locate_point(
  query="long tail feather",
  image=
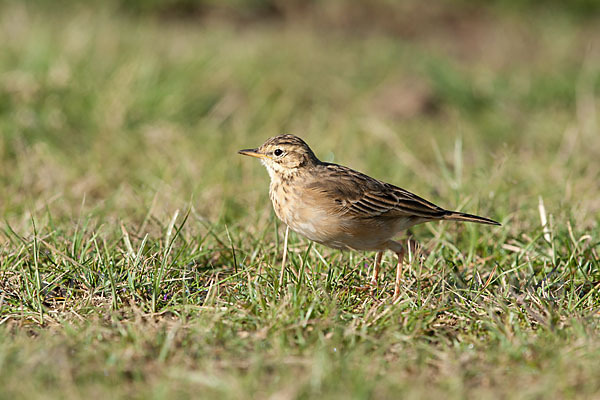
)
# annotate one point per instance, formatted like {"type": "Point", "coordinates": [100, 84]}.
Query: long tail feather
{"type": "Point", "coordinates": [458, 216]}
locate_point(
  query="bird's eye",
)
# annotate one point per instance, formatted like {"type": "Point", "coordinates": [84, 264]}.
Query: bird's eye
{"type": "Point", "coordinates": [278, 152]}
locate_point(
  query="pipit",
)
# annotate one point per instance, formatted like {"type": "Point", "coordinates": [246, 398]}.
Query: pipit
{"type": "Point", "coordinates": [343, 208]}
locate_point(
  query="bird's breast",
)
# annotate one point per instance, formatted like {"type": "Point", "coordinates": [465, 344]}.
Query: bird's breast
{"type": "Point", "coordinates": [299, 214]}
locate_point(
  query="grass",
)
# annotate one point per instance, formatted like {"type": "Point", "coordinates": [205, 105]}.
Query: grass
{"type": "Point", "coordinates": [140, 258]}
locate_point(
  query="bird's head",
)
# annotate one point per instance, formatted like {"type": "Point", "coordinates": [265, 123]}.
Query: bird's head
{"type": "Point", "coordinates": [283, 155]}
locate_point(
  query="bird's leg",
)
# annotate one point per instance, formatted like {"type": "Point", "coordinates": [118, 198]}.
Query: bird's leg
{"type": "Point", "coordinates": [401, 251]}
{"type": "Point", "coordinates": [397, 248]}
{"type": "Point", "coordinates": [400, 255]}
{"type": "Point", "coordinates": [375, 277]}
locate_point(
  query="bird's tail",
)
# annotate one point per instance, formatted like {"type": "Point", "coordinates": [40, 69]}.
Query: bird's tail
{"type": "Point", "coordinates": [458, 216]}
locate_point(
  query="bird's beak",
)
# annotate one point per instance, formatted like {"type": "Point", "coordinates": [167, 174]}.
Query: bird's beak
{"type": "Point", "coordinates": [252, 153]}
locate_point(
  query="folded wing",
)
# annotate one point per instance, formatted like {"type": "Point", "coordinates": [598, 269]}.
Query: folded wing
{"type": "Point", "coordinates": [355, 194]}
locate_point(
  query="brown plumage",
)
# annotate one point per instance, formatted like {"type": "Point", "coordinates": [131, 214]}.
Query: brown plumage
{"type": "Point", "coordinates": [340, 207]}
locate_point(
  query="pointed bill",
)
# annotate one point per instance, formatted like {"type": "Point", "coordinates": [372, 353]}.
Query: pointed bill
{"type": "Point", "coordinates": [251, 153]}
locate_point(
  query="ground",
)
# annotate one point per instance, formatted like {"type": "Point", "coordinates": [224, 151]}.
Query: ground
{"type": "Point", "coordinates": [139, 254]}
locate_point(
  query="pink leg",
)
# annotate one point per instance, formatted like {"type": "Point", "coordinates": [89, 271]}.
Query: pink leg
{"type": "Point", "coordinates": [401, 253]}
{"type": "Point", "coordinates": [399, 266]}
{"type": "Point", "coordinates": [375, 277]}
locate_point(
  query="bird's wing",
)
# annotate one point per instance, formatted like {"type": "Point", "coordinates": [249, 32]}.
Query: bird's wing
{"type": "Point", "coordinates": [349, 192]}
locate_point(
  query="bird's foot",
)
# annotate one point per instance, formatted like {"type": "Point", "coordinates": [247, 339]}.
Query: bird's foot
{"type": "Point", "coordinates": [364, 288]}
{"type": "Point", "coordinates": [371, 287]}
{"type": "Point", "coordinates": [397, 293]}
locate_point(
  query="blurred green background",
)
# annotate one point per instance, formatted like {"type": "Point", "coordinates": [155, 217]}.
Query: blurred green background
{"type": "Point", "coordinates": [121, 100]}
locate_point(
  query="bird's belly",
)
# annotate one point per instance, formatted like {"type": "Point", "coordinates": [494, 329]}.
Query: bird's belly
{"type": "Point", "coordinates": [373, 234]}
{"type": "Point", "coordinates": [338, 235]}
{"type": "Point", "coordinates": [339, 232]}
{"type": "Point", "coordinates": [313, 224]}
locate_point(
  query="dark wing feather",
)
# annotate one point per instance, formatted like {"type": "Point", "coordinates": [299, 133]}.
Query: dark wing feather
{"type": "Point", "coordinates": [361, 196]}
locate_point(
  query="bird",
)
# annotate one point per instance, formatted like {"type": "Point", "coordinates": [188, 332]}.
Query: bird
{"type": "Point", "coordinates": [342, 208]}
